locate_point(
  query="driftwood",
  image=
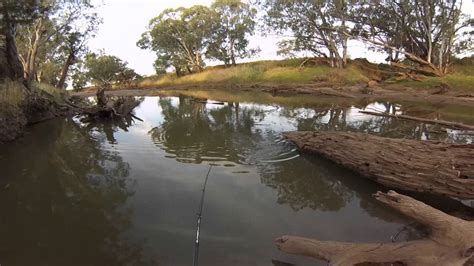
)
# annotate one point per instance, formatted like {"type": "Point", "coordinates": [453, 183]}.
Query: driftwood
{"type": "Point", "coordinates": [112, 109]}
{"type": "Point", "coordinates": [451, 241]}
{"type": "Point", "coordinates": [424, 166]}
{"type": "Point", "coordinates": [450, 124]}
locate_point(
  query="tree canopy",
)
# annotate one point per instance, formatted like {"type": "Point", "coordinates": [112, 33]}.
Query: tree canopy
{"type": "Point", "coordinates": [237, 22]}
{"type": "Point", "coordinates": [319, 26]}
{"type": "Point", "coordinates": [425, 32]}
{"type": "Point", "coordinates": [182, 38]}
{"type": "Point", "coordinates": [103, 70]}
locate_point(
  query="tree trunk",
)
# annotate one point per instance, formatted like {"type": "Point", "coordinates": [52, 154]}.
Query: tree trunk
{"type": "Point", "coordinates": [30, 65]}
{"type": "Point", "coordinates": [450, 242]}
{"type": "Point", "coordinates": [344, 34]}
{"type": "Point", "coordinates": [344, 52]}
{"type": "Point", "coordinates": [423, 166]}
{"type": "Point", "coordinates": [10, 65]}
{"type": "Point", "coordinates": [232, 52]}
{"type": "Point", "coordinates": [101, 98]}
{"type": "Point", "coordinates": [69, 61]}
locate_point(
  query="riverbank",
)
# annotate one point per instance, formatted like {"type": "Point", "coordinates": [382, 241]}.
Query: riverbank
{"type": "Point", "coordinates": [360, 91]}
{"type": "Point", "coordinates": [359, 80]}
{"type": "Point", "coordinates": [21, 106]}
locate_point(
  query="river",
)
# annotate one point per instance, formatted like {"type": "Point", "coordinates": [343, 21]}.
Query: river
{"type": "Point", "coordinates": [127, 193]}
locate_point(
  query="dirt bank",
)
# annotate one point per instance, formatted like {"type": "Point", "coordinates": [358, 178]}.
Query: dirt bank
{"type": "Point", "coordinates": [372, 92]}
{"type": "Point", "coordinates": [35, 107]}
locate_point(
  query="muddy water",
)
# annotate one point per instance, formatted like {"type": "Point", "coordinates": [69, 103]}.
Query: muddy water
{"type": "Point", "coordinates": [127, 193]}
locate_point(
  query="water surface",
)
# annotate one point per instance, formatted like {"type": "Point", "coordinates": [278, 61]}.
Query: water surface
{"type": "Point", "coordinates": [127, 193]}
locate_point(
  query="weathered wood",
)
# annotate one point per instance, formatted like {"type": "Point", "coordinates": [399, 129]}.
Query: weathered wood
{"type": "Point", "coordinates": [424, 166]}
{"type": "Point", "coordinates": [116, 108]}
{"type": "Point", "coordinates": [451, 241]}
{"type": "Point", "coordinates": [450, 124]}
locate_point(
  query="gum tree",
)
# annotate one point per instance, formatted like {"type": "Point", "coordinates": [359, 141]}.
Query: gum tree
{"type": "Point", "coordinates": [230, 39]}
{"type": "Point", "coordinates": [318, 26]}
{"type": "Point", "coordinates": [180, 37]}
{"type": "Point", "coordinates": [426, 32]}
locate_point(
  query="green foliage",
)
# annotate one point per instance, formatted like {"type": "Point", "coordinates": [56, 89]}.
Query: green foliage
{"type": "Point", "coordinates": [182, 37]}
{"type": "Point", "coordinates": [49, 72]}
{"type": "Point", "coordinates": [427, 32]}
{"type": "Point", "coordinates": [318, 26]}
{"type": "Point", "coordinates": [103, 70]}
{"type": "Point", "coordinates": [179, 37]}
{"type": "Point", "coordinates": [236, 23]}
{"type": "Point", "coordinates": [57, 38]}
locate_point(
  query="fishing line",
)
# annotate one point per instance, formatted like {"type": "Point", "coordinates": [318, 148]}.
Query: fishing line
{"type": "Point", "coordinates": [198, 222]}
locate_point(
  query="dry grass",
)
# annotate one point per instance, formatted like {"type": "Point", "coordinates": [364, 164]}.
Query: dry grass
{"type": "Point", "coordinates": [359, 71]}
{"type": "Point", "coordinates": [55, 93]}
{"type": "Point", "coordinates": [276, 72]}
{"type": "Point", "coordinates": [11, 96]}
{"type": "Point", "coordinates": [456, 81]}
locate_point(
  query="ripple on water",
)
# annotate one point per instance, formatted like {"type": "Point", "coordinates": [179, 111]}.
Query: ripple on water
{"type": "Point", "coordinates": [228, 152]}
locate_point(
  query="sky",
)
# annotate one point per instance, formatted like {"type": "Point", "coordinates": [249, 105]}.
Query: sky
{"type": "Point", "coordinates": [125, 20]}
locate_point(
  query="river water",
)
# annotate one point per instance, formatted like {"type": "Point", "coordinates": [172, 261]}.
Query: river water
{"type": "Point", "coordinates": [127, 193]}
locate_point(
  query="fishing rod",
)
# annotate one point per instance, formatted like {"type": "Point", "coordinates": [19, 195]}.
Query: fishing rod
{"type": "Point", "coordinates": [198, 223]}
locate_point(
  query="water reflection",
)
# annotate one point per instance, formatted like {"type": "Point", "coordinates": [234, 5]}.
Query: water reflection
{"type": "Point", "coordinates": [349, 119]}
{"type": "Point", "coordinates": [301, 186]}
{"type": "Point", "coordinates": [126, 192]}
{"type": "Point", "coordinates": [195, 131]}
{"type": "Point", "coordinates": [68, 205]}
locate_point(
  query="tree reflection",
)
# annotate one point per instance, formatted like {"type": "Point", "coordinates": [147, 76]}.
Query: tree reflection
{"type": "Point", "coordinates": [348, 119]}
{"type": "Point", "coordinates": [68, 207]}
{"type": "Point", "coordinates": [300, 187]}
{"type": "Point", "coordinates": [194, 133]}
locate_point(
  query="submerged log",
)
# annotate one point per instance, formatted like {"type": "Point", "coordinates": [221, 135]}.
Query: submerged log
{"type": "Point", "coordinates": [423, 166]}
{"type": "Point", "coordinates": [450, 124]}
{"type": "Point", "coordinates": [111, 109]}
{"type": "Point", "coordinates": [451, 241]}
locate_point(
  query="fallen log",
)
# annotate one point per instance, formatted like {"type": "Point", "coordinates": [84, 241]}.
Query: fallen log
{"type": "Point", "coordinates": [112, 109]}
{"type": "Point", "coordinates": [450, 124]}
{"type": "Point", "coordinates": [423, 166]}
{"type": "Point", "coordinates": [451, 241]}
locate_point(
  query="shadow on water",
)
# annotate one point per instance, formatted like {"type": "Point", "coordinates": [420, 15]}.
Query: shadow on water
{"type": "Point", "coordinates": [68, 205]}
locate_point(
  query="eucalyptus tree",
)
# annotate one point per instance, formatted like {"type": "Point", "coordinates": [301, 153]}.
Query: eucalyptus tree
{"type": "Point", "coordinates": [12, 14]}
{"type": "Point", "coordinates": [426, 32]}
{"type": "Point", "coordinates": [318, 26]}
{"type": "Point", "coordinates": [74, 44]}
{"type": "Point", "coordinates": [180, 37]}
{"type": "Point", "coordinates": [104, 70]}
{"type": "Point", "coordinates": [59, 31]}
{"type": "Point", "coordinates": [230, 38]}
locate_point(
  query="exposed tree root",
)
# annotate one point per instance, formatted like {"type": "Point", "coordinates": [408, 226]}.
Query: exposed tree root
{"type": "Point", "coordinates": [451, 241]}
{"type": "Point", "coordinates": [424, 166]}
